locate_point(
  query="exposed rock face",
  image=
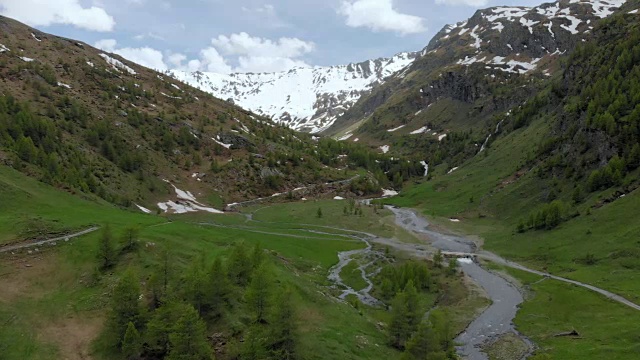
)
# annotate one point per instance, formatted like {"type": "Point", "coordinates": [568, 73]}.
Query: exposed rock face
{"type": "Point", "coordinates": [236, 141]}
{"type": "Point", "coordinates": [495, 47]}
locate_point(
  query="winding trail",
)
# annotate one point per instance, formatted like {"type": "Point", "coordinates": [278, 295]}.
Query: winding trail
{"type": "Point", "coordinates": [47, 241]}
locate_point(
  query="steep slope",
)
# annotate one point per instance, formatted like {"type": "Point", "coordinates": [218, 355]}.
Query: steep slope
{"type": "Point", "coordinates": [91, 122]}
{"type": "Point", "coordinates": [305, 99]}
{"type": "Point", "coordinates": [557, 190]}
{"type": "Point", "coordinates": [450, 100]}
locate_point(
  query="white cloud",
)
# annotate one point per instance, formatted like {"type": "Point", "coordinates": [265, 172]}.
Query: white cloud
{"type": "Point", "coordinates": [49, 12]}
{"type": "Point", "coordinates": [106, 44]}
{"type": "Point", "coordinates": [176, 59]}
{"type": "Point", "coordinates": [472, 3]}
{"type": "Point", "coordinates": [379, 15]}
{"type": "Point", "coordinates": [149, 35]}
{"type": "Point", "coordinates": [244, 44]}
{"type": "Point", "coordinates": [212, 61]}
{"type": "Point", "coordinates": [249, 54]}
{"type": "Point", "coordinates": [258, 64]}
{"type": "Point", "coordinates": [144, 56]}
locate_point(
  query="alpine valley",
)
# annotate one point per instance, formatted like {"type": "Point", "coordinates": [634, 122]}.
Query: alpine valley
{"type": "Point", "coordinates": [474, 199]}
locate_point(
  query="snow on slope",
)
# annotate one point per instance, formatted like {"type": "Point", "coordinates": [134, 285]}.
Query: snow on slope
{"type": "Point", "coordinates": [311, 98]}
{"type": "Point", "coordinates": [307, 99]}
{"type": "Point", "coordinates": [548, 28]}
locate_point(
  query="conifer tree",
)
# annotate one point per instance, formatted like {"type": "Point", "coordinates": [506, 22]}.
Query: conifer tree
{"type": "Point", "coordinates": [188, 340]}
{"type": "Point", "coordinates": [258, 295]}
{"type": "Point", "coordinates": [283, 334]}
{"type": "Point", "coordinates": [125, 306]}
{"type": "Point", "coordinates": [106, 251]}
{"type": "Point", "coordinates": [159, 328]}
{"type": "Point", "coordinates": [405, 316]}
{"type": "Point", "coordinates": [217, 289]}
{"type": "Point", "coordinates": [239, 265]}
{"type": "Point", "coordinates": [195, 285]}
{"type": "Point", "coordinates": [131, 344]}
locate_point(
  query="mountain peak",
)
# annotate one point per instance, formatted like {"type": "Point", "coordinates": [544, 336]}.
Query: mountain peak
{"type": "Point", "coordinates": [303, 98]}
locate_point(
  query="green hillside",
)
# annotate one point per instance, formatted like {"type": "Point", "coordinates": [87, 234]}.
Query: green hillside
{"type": "Point", "coordinates": [556, 190]}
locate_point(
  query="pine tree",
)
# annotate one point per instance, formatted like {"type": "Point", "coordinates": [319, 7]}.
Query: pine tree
{"type": "Point", "coordinates": [131, 345]}
{"type": "Point", "coordinates": [194, 283]}
{"type": "Point", "coordinates": [217, 289]}
{"type": "Point", "coordinates": [257, 256]}
{"type": "Point", "coordinates": [125, 306]}
{"type": "Point", "coordinates": [159, 328]}
{"type": "Point", "coordinates": [239, 265]}
{"type": "Point", "coordinates": [258, 295]}
{"type": "Point", "coordinates": [130, 238]}
{"type": "Point", "coordinates": [283, 333]}
{"type": "Point", "coordinates": [405, 316]}
{"type": "Point", "coordinates": [106, 252]}
{"type": "Point", "coordinates": [253, 347]}
{"type": "Point", "coordinates": [188, 340]}
{"type": "Point", "coordinates": [319, 213]}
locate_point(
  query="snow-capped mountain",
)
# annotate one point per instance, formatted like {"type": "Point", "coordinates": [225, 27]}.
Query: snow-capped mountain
{"type": "Point", "coordinates": [498, 47]}
{"type": "Point", "coordinates": [307, 98]}
{"type": "Point", "coordinates": [520, 39]}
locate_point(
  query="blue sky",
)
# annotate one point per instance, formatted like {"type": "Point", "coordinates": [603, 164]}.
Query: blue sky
{"type": "Point", "coordinates": [247, 35]}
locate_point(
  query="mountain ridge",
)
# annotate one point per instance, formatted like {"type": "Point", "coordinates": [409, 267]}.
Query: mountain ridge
{"type": "Point", "coordinates": [313, 97]}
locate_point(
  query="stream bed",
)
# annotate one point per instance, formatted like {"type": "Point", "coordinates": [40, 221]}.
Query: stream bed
{"type": "Point", "coordinates": [497, 319]}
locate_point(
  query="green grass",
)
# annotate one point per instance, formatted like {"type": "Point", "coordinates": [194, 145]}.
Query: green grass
{"type": "Point", "coordinates": [490, 200]}
{"type": "Point", "coordinates": [332, 216]}
{"type": "Point", "coordinates": [59, 285]}
{"type": "Point", "coordinates": [352, 276]}
{"type": "Point", "coordinates": [29, 209]}
{"type": "Point", "coordinates": [607, 329]}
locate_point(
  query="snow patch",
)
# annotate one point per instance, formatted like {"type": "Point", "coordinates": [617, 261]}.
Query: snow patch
{"type": "Point", "coordinates": [35, 37]}
{"type": "Point", "coordinates": [454, 220]}
{"type": "Point", "coordinates": [419, 131]}
{"type": "Point", "coordinates": [228, 146]}
{"type": "Point", "coordinates": [338, 198]}
{"type": "Point", "coordinates": [25, 59]}
{"type": "Point", "coordinates": [64, 85]}
{"type": "Point", "coordinates": [345, 137]}
{"type": "Point", "coordinates": [171, 97]}
{"type": "Point", "coordinates": [388, 193]}
{"type": "Point", "coordinates": [573, 27]}
{"type": "Point", "coordinates": [442, 136]}
{"type": "Point", "coordinates": [186, 203]}
{"type": "Point", "coordinates": [528, 24]}
{"type": "Point", "coordinates": [395, 129]}
{"type": "Point", "coordinates": [117, 64]}
{"type": "Point", "coordinates": [143, 209]}
{"type": "Point", "coordinates": [465, 260]}
{"type": "Point", "coordinates": [3, 48]}
{"type": "Point", "coordinates": [452, 170]}
{"type": "Point", "coordinates": [384, 148]}
{"type": "Point", "coordinates": [426, 167]}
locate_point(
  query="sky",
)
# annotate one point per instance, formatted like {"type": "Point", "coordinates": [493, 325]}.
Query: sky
{"type": "Point", "coordinates": [228, 36]}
